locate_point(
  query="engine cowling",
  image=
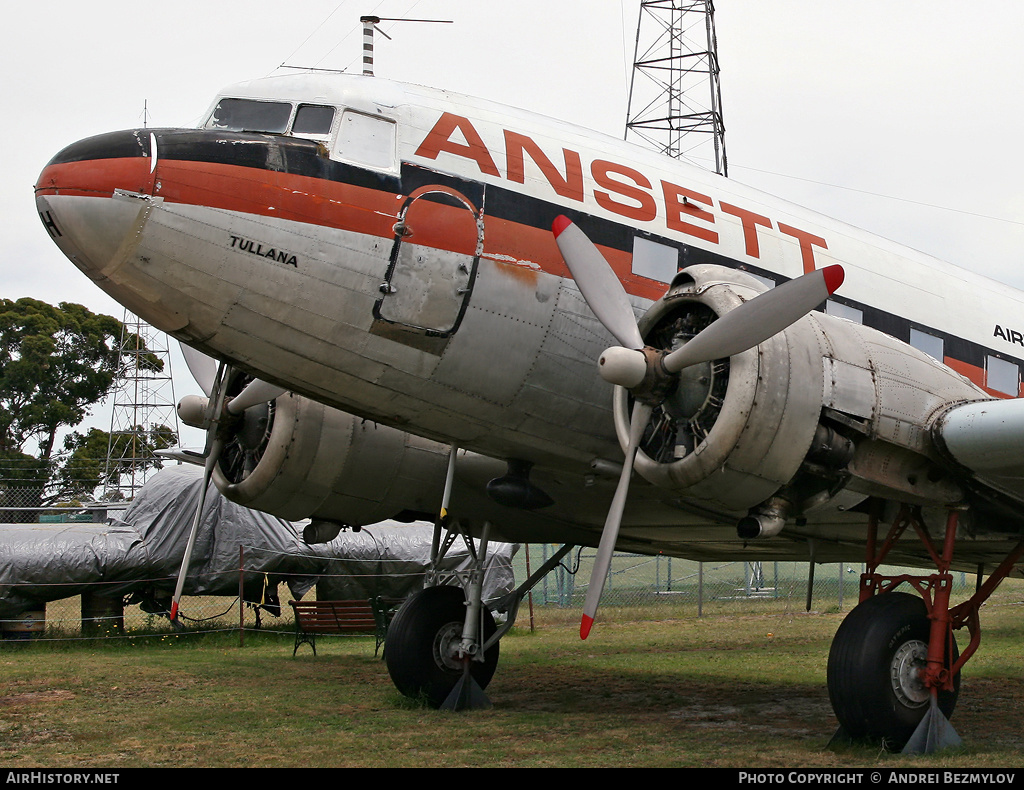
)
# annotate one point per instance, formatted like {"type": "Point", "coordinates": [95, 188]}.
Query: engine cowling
{"type": "Point", "coordinates": [824, 407]}
{"type": "Point", "coordinates": [734, 430]}
{"type": "Point", "coordinates": [296, 458]}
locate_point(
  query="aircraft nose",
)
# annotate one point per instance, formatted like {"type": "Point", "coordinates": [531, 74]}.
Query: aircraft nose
{"type": "Point", "coordinates": [93, 197]}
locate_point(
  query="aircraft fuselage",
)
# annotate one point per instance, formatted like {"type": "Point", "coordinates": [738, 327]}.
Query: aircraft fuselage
{"type": "Point", "coordinates": [396, 260]}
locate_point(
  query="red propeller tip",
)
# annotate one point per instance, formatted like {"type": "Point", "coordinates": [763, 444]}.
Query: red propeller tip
{"type": "Point", "coordinates": [585, 625]}
{"type": "Point", "coordinates": [834, 276]}
{"type": "Point", "coordinates": [561, 223]}
{"type": "Point", "coordinates": [174, 611]}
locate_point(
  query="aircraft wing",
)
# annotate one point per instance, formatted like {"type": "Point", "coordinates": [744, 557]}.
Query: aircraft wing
{"type": "Point", "coordinates": [987, 439]}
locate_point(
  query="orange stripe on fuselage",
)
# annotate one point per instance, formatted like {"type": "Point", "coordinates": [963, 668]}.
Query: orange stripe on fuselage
{"type": "Point", "coordinates": [343, 206]}
{"type": "Point", "coordinates": [974, 374]}
{"type": "Point", "coordinates": [96, 177]}
{"type": "Point", "coordinates": [536, 247]}
{"type": "Point", "coordinates": [321, 202]}
{"type": "Point", "coordinates": [274, 194]}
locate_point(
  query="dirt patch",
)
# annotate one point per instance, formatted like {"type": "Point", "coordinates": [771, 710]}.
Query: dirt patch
{"type": "Point", "coordinates": [33, 697]}
{"type": "Point", "coordinates": [797, 714]}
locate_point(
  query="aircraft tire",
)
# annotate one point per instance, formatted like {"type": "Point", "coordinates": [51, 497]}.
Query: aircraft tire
{"type": "Point", "coordinates": [872, 680]}
{"type": "Point", "coordinates": [414, 648]}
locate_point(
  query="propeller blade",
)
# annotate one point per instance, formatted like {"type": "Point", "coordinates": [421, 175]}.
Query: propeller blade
{"type": "Point", "coordinates": [597, 282]}
{"type": "Point", "coordinates": [638, 421]}
{"type": "Point", "coordinates": [255, 392]}
{"type": "Point", "coordinates": [755, 321]}
{"type": "Point", "coordinates": [211, 462]}
{"type": "Point", "coordinates": [202, 368]}
{"type": "Point", "coordinates": [214, 447]}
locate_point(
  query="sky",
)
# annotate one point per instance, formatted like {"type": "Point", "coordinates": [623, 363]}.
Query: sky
{"type": "Point", "coordinates": [901, 118]}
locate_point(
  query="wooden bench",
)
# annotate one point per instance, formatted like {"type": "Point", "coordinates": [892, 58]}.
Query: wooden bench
{"type": "Point", "coordinates": [342, 617]}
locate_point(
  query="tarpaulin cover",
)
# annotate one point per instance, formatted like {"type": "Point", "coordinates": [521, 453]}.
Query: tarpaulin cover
{"type": "Point", "coordinates": [140, 553]}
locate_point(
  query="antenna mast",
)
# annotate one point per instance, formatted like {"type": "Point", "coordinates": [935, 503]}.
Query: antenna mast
{"type": "Point", "coordinates": [370, 24]}
{"type": "Point", "coordinates": [675, 99]}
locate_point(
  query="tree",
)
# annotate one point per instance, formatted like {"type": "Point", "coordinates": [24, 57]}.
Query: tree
{"type": "Point", "coordinates": [96, 459]}
{"type": "Point", "coordinates": [55, 363]}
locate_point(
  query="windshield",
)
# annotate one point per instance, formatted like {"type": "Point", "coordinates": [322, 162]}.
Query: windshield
{"type": "Point", "coordinates": [249, 115]}
{"type": "Point", "coordinates": [313, 119]}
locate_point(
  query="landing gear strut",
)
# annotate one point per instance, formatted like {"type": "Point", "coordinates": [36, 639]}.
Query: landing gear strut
{"type": "Point", "coordinates": [442, 646]}
{"type": "Point", "coordinates": [894, 666]}
{"type": "Point", "coordinates": [874, 670]}
{"type": "Point", "coordinates": [423, 646]}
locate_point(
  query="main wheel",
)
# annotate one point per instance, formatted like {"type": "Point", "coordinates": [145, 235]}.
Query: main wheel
{"type": "Point", "coordinates": [874, 680]}
{"type": "Point", "coordinates": [421, 641]}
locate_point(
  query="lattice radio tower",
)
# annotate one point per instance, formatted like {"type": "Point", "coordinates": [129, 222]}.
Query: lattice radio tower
{"type": "Point", "coordinates": [675, 100]}
{"type": "Point", "coordinates": [144, 417]}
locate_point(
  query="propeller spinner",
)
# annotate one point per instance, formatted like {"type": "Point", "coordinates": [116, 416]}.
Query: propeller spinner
{"type": "Point", "coordinates": [649, 373]}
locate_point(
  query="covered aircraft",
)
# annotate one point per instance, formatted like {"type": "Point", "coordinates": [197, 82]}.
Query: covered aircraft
{"type": "Point", "coordinates": [404, 303]}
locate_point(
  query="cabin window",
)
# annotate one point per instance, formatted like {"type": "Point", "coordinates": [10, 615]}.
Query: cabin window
{"type": "Point", "coordinates": [841, 310]}
{"type": "Point", "coordinates": [249, 115]}
{"type": "Point", "coordinates": [1002, 376]}
{"type": "Point", "coordinates": [366, 140]}
{"type": "Point", "coordinates": [313, 119]}
{"type": "Point", "coordinates": [654, 260]}
{"type": "Point", "coordinates": [928, 343]}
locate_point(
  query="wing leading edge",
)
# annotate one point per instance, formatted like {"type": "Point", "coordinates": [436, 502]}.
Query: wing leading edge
{"type": "Point", "coordinates": [987, 438]}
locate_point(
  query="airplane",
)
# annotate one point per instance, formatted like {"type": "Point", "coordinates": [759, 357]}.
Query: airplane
{"type": "Point", "coordinates": [405, 303]}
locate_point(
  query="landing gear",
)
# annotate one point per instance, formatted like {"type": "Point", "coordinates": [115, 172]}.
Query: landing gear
{"type": "Point", "coordinates": [894, 667]}
{"type": "Point", "coordinates": [875, 666]}
{"type": "Point", "coordinates": [423, 646]}
{"type": "Point", "coordinates": [442, 646]}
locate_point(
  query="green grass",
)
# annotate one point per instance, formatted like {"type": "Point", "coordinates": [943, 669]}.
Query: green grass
{"type": "Point", "coordinates": [724, 690]}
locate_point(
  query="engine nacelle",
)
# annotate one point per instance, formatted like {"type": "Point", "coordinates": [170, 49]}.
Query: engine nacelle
{"type": "Point", "coordinates": [296, 458]}
{"type": "Point", "coordinates": [825, 406]}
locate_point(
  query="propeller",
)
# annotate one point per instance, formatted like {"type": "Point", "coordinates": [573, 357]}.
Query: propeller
{"type": "Point", "coordinates": [212, 378]}
{"type": "Point", "coordinates": [255, 393]}
{"type": "Point", "coordinates": [202, 368]}
{"type": "Point", "coordinates": [649, 373]}
{"type": "Point", "coordinates": [215, 390]}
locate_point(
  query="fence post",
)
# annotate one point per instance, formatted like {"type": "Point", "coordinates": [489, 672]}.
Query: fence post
{"type": "Point", "coordinates": [241, 598]}
{"type": "Point", "coordinates": [529, 594]}
{"type": "Point", "coordinates": [700, 589]}
{"type": "Point", "coordinates": [102, 614]}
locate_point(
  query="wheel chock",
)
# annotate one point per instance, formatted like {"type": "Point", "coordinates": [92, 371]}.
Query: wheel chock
{"type": "Point", "coordinates": [934, 732]}
{"type": "Point", "coordinates": [466, 694]}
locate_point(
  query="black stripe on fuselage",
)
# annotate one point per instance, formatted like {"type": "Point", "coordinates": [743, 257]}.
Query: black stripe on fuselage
{"type": "Point", "coordinates": [296, 156]}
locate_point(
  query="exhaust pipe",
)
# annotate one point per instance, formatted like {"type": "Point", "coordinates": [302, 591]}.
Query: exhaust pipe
{"type": "Point", "coordinates": [766, 520]}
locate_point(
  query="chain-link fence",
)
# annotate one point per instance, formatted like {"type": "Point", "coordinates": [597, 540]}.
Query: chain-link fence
{"type": "Point", "coordinates": [693, 588]}
{"type": "Point", "coordinates": [638, 587]}
{"type": "Point", "coordinates": [66, 488]}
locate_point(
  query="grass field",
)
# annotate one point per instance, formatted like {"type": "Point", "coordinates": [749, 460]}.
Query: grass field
{"type": "Point", "coordinates": [745, 691]}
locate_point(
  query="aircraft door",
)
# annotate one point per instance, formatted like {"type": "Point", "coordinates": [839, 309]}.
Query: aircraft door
{"type": "Point", "coordinates": [438, 238]}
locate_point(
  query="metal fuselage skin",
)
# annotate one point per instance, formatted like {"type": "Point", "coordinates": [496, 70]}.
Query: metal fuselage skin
{"type": "Point", "coordinates": [402, 268]}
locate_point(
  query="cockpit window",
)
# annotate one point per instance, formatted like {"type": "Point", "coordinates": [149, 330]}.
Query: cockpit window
{"type": "Point", "coordinates": [313, 119]}
{"type": "Point", "coordinates": [248, 115]}
{"type": "Point", "coordinates": [366, 140]}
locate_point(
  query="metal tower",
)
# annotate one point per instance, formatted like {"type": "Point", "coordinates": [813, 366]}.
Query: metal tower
{"type": "Point", "coordinates": [675, 100]}
{"type": "Point", "coordinates": [144, 417]}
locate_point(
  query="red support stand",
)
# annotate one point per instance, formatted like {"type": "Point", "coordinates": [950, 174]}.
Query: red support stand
{"type": "Point", "coordinates": [942, 666]}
